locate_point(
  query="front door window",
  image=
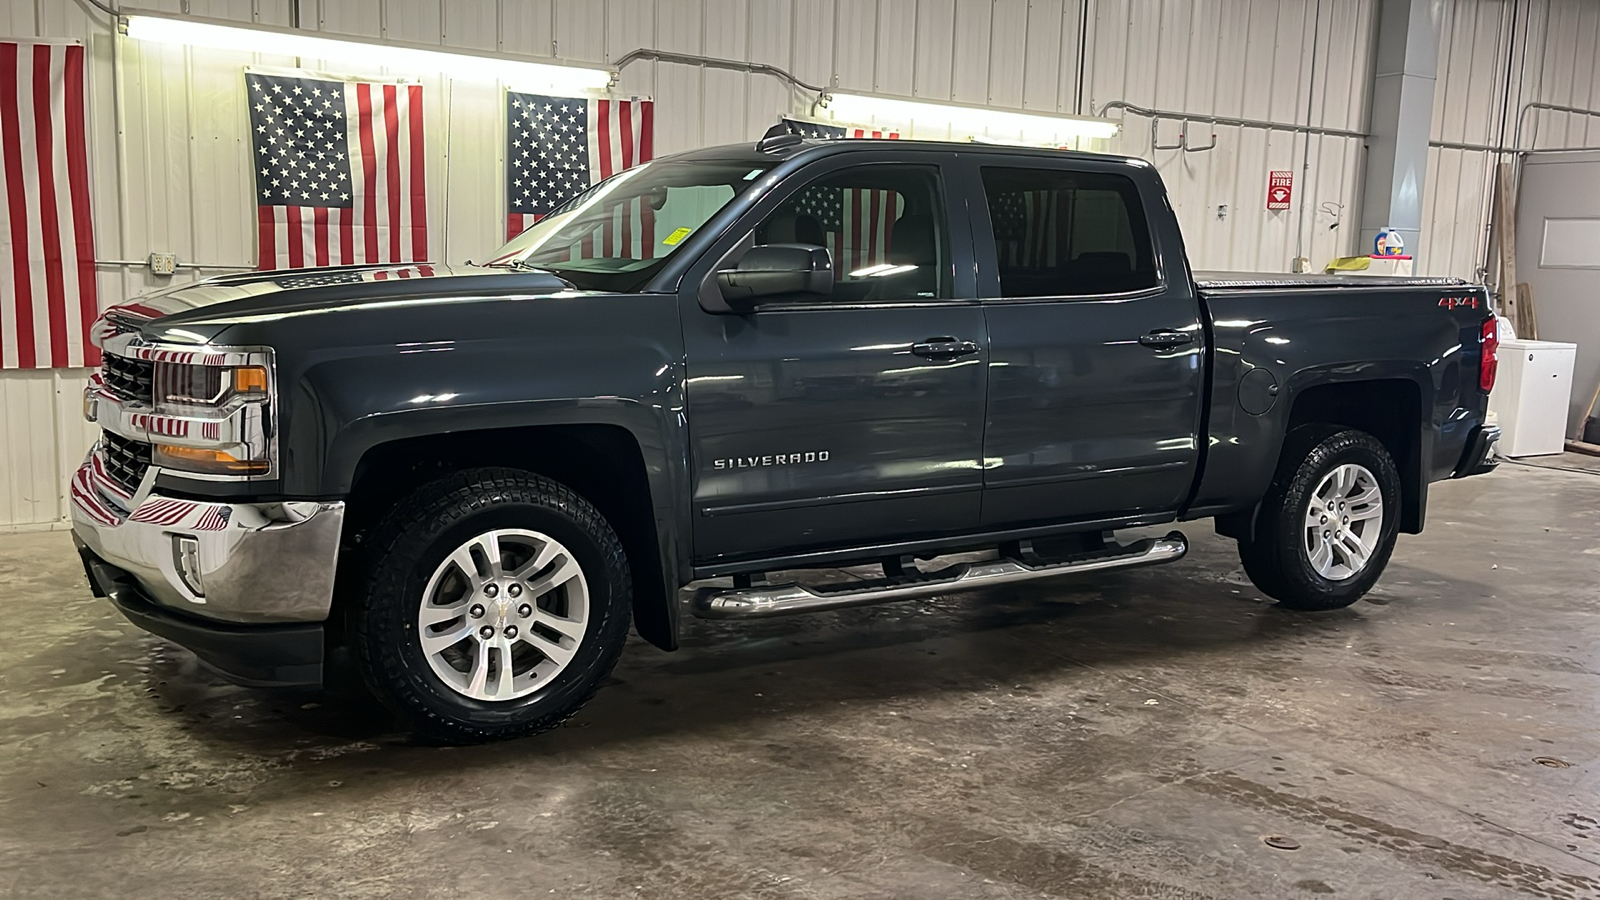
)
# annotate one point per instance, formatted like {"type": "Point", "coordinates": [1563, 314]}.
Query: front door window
{"type": "Point", "coordinates": [884, 227]}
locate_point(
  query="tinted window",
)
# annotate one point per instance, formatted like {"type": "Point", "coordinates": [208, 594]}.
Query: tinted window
{"type": "Point", "coordinates": [1060, 233]}
{"type": "Point", "coordinates": [884, 227]}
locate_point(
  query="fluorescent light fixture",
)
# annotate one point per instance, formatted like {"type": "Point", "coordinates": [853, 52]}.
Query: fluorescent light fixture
{"type": "Point", "coordinates": [554, 76]}
{"type": "Point", "coordinates": [978, 120]}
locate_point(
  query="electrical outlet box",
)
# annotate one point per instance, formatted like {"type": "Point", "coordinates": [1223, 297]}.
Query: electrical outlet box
{"type": "Point", "coordinates": [163, 263]}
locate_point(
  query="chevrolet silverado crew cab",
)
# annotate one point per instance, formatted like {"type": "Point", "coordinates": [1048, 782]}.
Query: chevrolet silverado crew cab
{"type": "Point", "coordinates": [737, 361]}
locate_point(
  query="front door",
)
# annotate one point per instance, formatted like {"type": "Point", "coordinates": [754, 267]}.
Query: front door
{"type": "Point", "coordinates": [1095, 382]}
{"type": "Point", "coordinates": [822, 422]}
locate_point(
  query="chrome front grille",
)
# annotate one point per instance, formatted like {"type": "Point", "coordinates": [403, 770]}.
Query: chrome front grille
{"type": "Point", "coordinates": [128, 379]}
{"type": "Point", "coordinates": [126, 460]}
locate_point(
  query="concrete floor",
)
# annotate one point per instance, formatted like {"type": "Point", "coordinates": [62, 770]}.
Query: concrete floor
{"type": "Point", "coordinates": [1134, 734]}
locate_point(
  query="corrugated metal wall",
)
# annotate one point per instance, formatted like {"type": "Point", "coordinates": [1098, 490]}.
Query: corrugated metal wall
{"type": "Point", "coordinates": [1305, 62]}
{"type": "Point", "coordinates": [1293, 62]}
{"type": "Point", "coordinates": [1495, 57]}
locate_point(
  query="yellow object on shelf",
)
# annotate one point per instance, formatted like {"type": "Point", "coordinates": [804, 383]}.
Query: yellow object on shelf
{"type": "Point", "coordinates": [1371, 265]}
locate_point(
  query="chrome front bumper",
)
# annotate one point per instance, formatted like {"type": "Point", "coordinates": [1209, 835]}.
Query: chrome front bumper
{"type": "Point", "coordinates": [245, 563]}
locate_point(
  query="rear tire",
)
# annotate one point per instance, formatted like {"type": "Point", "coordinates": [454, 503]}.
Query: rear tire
{"type": "Point", "coordinates": [495, 603]}
{"type": "Point", "coordinates": [1328, 522]}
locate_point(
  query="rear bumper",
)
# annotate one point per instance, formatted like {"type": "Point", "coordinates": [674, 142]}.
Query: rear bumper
{"type": "Point", "coordinates": [1481, 454]}
{"type": "Point", "coordinates": [284, 655]}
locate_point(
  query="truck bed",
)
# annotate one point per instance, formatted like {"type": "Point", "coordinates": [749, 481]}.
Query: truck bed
{"type": "Point", "coordinates": [1417, 338]}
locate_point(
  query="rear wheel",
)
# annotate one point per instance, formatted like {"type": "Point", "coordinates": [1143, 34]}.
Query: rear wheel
{"type": "Point", "coordinates": [1328, 523]}
{"type": "Point", "coordinates": [496, 602]}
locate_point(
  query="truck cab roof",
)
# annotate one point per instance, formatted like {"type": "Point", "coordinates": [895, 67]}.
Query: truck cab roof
{"type": "Point", "coordinates": [817, 147]}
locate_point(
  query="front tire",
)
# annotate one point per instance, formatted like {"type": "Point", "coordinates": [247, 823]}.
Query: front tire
{"type": "Point", "coordinates": [1328, 523]}
{"type": "Point", "coordinates": [495, 603]}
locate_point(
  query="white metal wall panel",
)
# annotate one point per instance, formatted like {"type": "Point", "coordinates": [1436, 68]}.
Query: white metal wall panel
{"type": "Point", "coordinates": [1469, 103]}
{"type": "Point", "coordinates": [526, 27]}
{"type": "Point", "coordinates": [42, 439]}
{"type": "Point", "coordinates": [28, 414]}
{"type": "Point", "coordinates": [770, 30]}
{"type": "Point", "coordinates": [472, 24]}
{"type": "Point", "coordinates": [973, 48]}
{"type": "Point", "coordinates": [471, 161]}
{"type": "Point", "coordinates": [725, 32]}
{"type": "Point", "coordinates": [935, 41]}
{"type": "Point", "coordinates": [1297, 62]}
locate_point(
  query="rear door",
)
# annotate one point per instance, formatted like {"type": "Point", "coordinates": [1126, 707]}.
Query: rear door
{"type": "Point", "coordinates": [857, 417]}
{"type": "Point", "coordinates": [1096, 344]}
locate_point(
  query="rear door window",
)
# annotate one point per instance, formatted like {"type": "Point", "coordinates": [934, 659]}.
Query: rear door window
{"type": "Point", "coordinates": [1060, 233]}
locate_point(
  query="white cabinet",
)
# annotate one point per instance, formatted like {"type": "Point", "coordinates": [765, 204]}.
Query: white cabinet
{"type": "Point", "coordinates": [1531, 395]}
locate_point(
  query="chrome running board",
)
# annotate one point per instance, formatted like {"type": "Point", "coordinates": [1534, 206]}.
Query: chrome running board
{"type": "Point", "coordinates": [765, 600]}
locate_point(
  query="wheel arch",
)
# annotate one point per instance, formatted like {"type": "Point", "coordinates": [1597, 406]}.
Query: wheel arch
{"type": "Point", "coordinates": [602, 462]}
{"type": "Point", "coordinates": [1388, 408]}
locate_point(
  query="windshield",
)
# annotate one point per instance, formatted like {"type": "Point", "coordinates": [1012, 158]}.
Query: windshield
{"type": "Point", "coordinates": [616, 235]}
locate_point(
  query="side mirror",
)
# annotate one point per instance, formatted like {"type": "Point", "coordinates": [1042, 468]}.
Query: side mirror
{"type": "Point", "coordinates": [772, 269]}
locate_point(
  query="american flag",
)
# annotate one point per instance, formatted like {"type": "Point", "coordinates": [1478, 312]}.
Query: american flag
{"type": "Point", "coordinates": [821, 131]}
{"type": "Point", "coordinates": [215, 519]}
{"type": "Point", "coordinates": [856, 223]}
{"type": "Point", "coordinates": [339, 171]}
{"type": "Point", "coordinates": [1028, 227]}
{"type": "Point", "coordinates": [556, 147]}
{"type": "Point", "coordinates": [48, 300]}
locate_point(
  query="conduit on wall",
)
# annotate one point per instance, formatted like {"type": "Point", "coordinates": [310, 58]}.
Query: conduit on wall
{"type": "Point", "coordinates": [713, 62]}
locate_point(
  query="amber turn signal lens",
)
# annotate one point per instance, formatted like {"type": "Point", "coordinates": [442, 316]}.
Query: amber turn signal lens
{"type": "Point", "coordinates": [216, 462]}
{"type": "Point", "coordinates": [250, 380]}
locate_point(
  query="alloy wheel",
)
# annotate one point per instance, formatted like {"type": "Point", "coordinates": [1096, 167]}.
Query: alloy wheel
{"type": "Point", "coordinates": [503, 614]}
{"type": "Point", "coordinates": [1343, 522]}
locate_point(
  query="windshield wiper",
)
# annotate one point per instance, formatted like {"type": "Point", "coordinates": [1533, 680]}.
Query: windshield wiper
{"type": "Point", "coordinates": [523, 266]}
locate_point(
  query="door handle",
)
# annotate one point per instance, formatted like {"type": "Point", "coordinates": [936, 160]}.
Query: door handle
{"type": "Point", "coordinates": [944, 348]}
{"type": "Point", "coordinates": [1165, 339]}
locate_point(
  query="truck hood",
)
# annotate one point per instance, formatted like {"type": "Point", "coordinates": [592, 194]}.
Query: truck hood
{"type": "Point", "coordinates": [198, 311]}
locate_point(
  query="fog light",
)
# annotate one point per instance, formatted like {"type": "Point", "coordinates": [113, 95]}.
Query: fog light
{"type": "Point", "coordinates": [186, 560]}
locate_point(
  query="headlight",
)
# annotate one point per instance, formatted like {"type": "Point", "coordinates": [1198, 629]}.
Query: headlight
{"type": "Point", "coordinates": [213, 412]}
{"type": "Point", "coordinates": [180, 388]}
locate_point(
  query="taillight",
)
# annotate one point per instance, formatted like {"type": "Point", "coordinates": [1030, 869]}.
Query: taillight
{"type": "Point", "coordinates": [1488, 354]}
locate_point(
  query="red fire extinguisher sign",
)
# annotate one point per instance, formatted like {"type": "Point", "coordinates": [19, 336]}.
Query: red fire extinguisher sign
{"type": "Point", "coordinates": [1280, 187]}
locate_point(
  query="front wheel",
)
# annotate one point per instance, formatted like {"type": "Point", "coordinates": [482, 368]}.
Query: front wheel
{"type": "Point", "coordinates": [1327, 525]}
{"type": "Point", "coordinates": [496, 601]}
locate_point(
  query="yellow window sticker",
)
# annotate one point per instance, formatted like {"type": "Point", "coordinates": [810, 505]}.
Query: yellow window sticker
{"type": "Point", "coordinates": [676, 236]}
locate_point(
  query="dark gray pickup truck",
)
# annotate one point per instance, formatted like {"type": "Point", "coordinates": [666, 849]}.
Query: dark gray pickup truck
{"type": "Point", "coordinates": [737, 361]}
